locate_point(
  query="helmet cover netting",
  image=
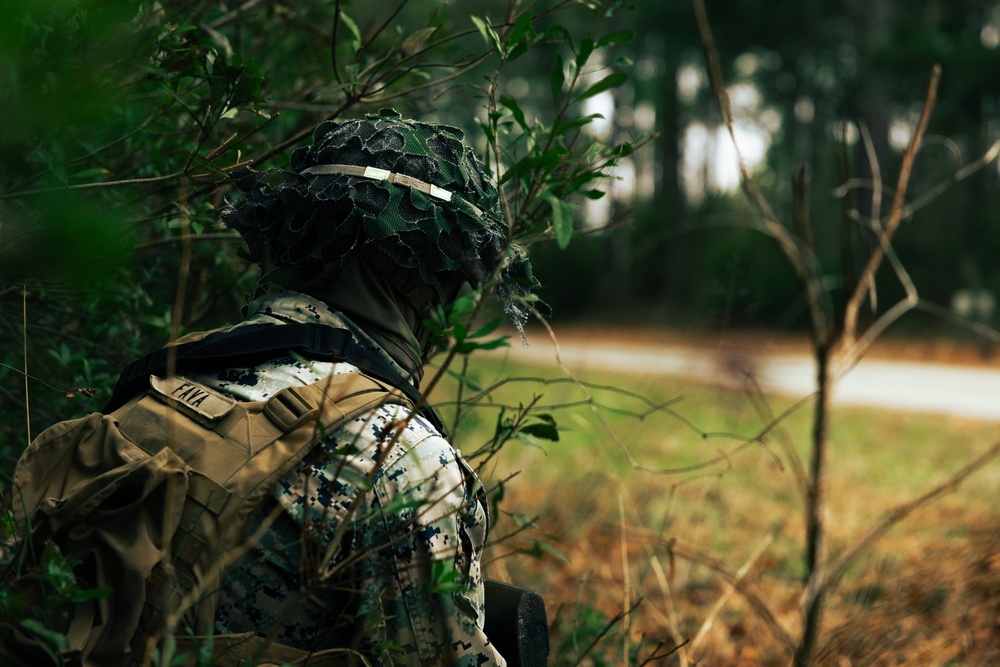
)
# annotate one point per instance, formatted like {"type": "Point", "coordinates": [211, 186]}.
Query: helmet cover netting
{"type": "Point", "coordinates": [300, 229]}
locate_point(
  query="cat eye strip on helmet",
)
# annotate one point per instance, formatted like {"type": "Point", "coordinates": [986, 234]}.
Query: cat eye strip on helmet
{"type": "Point", "coordinates": [385, 175]}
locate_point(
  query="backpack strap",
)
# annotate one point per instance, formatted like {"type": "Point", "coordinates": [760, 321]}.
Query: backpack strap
{"type": "Point", "coordinates": [258, 342]}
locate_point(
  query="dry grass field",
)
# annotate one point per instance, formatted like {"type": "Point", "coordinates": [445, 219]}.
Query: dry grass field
{"type": "Point", "coordinates": [661, 532]}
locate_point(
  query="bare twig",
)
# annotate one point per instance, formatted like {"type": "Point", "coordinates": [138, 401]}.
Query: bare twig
{"type": "Point", "coordinates": [802, 262]}
{"type": "Point", "coordinates": [333, 42]}
{"type": "Point", "coordinates": [233, 13]}
{"type": "Point", "coordinates": [607, 628]}
{"type": "Point", "coordinates": [185, 265]}
{"type": "Point", "coordinates": [895, 215]}
{"type": "Point", "coordinates": [760, 607]}
{"type": "Point", "coordinates": [730, 588]}
{"type": "Point", "coordinates": [187, 239]}
{"type": "Point", "coordinates": [626, 578]}
{"type": "Point", "coordinates": [903, 511]}
{"type": "Point", "coordinates": [24, 341]}
{"type": "Point", "coordinates": [89, 186]}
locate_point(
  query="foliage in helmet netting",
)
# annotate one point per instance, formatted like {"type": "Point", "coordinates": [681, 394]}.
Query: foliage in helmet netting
{"type": "Point", "coordinates": [300, 228]}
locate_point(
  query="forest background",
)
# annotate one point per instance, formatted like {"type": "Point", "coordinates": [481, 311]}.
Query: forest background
{"type": "Point", "coordinates": [120, 126]}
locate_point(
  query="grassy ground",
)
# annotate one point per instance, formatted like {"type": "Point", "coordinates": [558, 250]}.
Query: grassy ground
{"type": "Point", "coordinates": [658, 550]}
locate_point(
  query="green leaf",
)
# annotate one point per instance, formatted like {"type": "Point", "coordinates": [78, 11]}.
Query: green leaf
{"type": "Point", "coordinates": [545, 428]}
{"type": "Point", "coordinates": [522, 28]}
{"type": "Point", "coordinates": [467, 380]}
{"type": "Point", "coordinates": [353, 27]}
{"type": "Point", "coordinates": [613, 80]}
{"type": "Point", "coordinates": [487, 328]}
{"type": "Point", "coordinates": [82, 595]}
{"type": "Point", "coordinates": [540, 548]}
{"type": "Point", "coordinates": [560, 34]}
{"type": "Point", "coordinates": [616, 37]}
{"type": "Point", "coordinates": [444, 578]}
{"type": "Point", "coordinates": [543, 431]}
{"type": "Point", "coordinates": [489, 34]}
{"type": "Point", "coordinates": [416, 41]}
{"type": "Point", "coordinates": [353, 478]}
{"type": "Point", "coordinates": [586, 48]}
{"type": "Point", "coordinates": [562, 219]}
{"type": "Point", "coordinates": [518, 50]}
{"type": "Point", "coordinates": [51, 638]}
{"type": "Point", "coordinates": [515, 109]}
{"type": "Point", "coordinates": [563, 128]}
{"type": "Point", "coordinates": [558, 76]}
{"type": "Point", "coordinates": [465, 347]}
{"type": "Point", "coordinates": [551, 158]}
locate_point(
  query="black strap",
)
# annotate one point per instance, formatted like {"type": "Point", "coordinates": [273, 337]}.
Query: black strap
{"type": "Point", "coordinates": [255, 343]}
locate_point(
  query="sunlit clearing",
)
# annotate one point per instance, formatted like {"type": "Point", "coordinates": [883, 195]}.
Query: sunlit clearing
{"type": "Point", "coordinates": [710, 162]}
{"type": "Point", "coordinates": [900, 132]}
{"type": "Point", "coordinates": [690, 79]}
{"type": "Point", "coordinates": [845, 131]}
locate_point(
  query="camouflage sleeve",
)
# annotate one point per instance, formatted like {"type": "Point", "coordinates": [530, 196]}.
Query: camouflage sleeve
{"type": "Point", "coordinates": [375, 547]}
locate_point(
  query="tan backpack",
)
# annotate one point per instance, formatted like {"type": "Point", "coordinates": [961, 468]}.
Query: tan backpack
{"type": "Point", "coordinates": [151, 498]}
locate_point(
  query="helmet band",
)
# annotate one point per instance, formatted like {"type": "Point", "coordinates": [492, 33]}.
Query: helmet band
{"type": "Point", "coordinates": [386, 175]}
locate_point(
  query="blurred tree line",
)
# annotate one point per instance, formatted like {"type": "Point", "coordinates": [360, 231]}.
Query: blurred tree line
{"type": "Point", "coordinates": [121, 122]}
{"type": "Point", "coordinates": [808, 80]}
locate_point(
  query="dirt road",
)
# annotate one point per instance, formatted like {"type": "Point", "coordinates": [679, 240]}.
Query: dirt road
{"type": "Point", "coordinates": [963, 390]}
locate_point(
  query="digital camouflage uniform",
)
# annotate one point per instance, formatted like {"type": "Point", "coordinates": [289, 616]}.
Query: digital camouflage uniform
{"type": "Point", "coordinates": [377, 537]}
{"type": "Point", "coordinates": [367, 523]}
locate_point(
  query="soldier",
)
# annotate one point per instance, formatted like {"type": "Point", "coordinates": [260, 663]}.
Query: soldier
{"type": "Point", "coordinates": [373, 541]}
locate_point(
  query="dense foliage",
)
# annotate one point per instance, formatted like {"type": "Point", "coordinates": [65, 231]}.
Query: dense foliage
{"type": "Point", "coordinates": [127, 121]}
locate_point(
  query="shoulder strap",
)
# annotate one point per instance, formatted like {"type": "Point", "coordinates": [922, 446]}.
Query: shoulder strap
{"type": "Point", "coordinates": [252, 343]}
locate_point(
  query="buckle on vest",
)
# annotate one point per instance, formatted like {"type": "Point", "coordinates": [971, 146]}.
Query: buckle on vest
{"type": "Point", "coordinates": [289, 409]}
{"type": "Point", "coordinates": [328, 343]}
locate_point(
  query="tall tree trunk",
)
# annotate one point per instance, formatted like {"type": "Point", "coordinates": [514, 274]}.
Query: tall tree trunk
{"type": "Point", "coordinates": [678, 256]}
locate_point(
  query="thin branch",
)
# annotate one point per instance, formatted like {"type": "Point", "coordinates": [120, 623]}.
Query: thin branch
{"type": "Point", "coordinates": [333, 42]}
{"type": "Point", "coordinates": [903, 511]}
{"type": "Point", "coordinates": [371, 37]}
{"type": "Point", "coordinates": [232, 14]}
{"type": "Point", "coordinates": [790, 246]}
{"type": "Point", "coordinates": [756, 602]}
{"type": "Point", "coordinates": [975, 327]}
{"type": "Point", "coordinates": [185, 265]}
{"type": "Point", "coordinates": [763, 407]}
{"type": "Point", "coordinates": [740, 575]}
{"type": "Point", "coordinates": [956, 177]}
{"type": "Point", "coordinates": [24, 340]}
{"type": "Point", "coordinates": [89, 186]}
{"type": "Point", "coordinates": [170, 240]}
{"type": "Point", "coordinates": [895, 215]}
{"type": "Point", "coordinates": [607, 628]}
{"type": "Point", "coordinates": [626, 578]}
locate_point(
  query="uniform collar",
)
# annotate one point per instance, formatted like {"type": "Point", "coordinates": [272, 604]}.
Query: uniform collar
{"type": "Point", "coordinates": [290, 306]}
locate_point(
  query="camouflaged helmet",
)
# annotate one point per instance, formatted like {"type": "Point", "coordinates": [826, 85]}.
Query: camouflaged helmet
{"type": "Point", "coordinates": [412, 191]}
